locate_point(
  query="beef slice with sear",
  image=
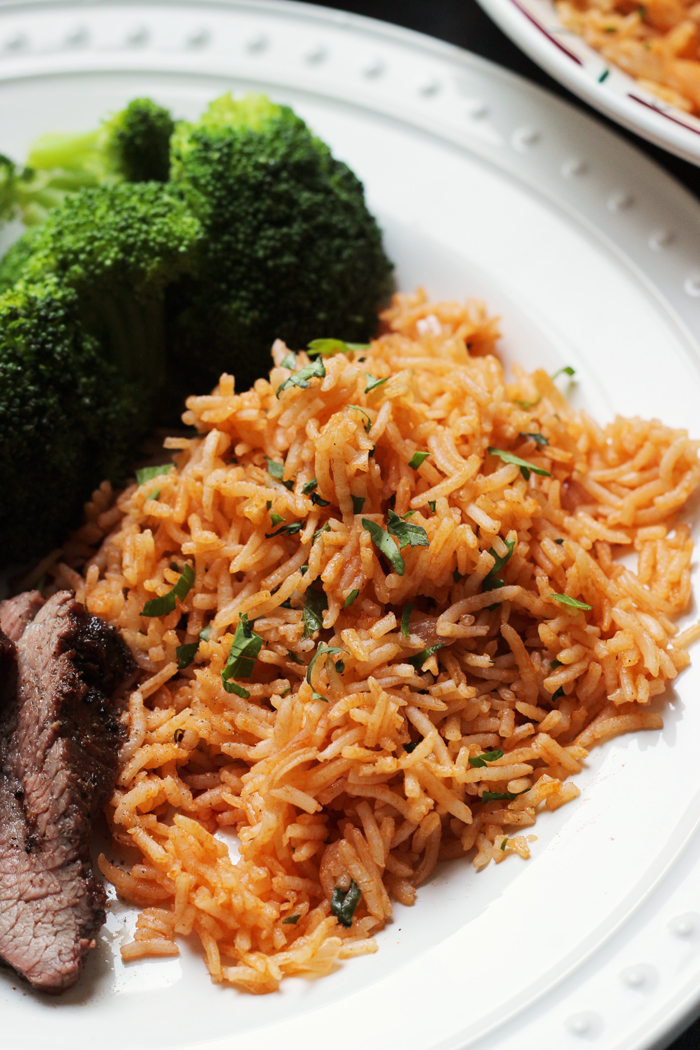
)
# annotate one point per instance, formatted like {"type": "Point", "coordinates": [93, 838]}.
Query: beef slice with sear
{"type": "Point", "coordinates": [59, 744]}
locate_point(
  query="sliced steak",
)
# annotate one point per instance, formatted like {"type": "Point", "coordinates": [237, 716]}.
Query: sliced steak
{"type": "Point", "coordinates": [8, 670]}
{"type": "Point", "coordinates": [59, 743]}
{"type": "Point", "coordinates": [17, 613]}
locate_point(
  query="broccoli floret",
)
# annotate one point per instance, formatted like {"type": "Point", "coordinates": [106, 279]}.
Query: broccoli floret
{"type": "Point", "coordinates": [16, 257]}
{"type": "Point", "coordinates": [131, 146]}
{"type": "Point", "coordinates": [119, 247]}
{"type": "Point", "coordinates": [68, 419]}
{"type": "Point", "coordinates": [289, 248]}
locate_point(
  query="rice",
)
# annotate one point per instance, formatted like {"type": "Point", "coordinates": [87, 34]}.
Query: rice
{"type": "Point", "coordinates": [657, 42]}
{"type": "Point", "coordinates": [355, 778]}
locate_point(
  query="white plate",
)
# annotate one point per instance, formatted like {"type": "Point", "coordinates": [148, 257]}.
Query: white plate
{"type": "Point", "coordinates": [485, 185]}
{"type": "Point", "coordinates": [535, 26]}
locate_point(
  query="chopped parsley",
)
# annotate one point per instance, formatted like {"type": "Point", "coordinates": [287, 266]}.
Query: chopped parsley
{"type": "Point", "coordinates": [318, 501]}
{"type": "Point", "coordinates": [565, 599]}
{"type": "Point", "coordinates": [185, 655]}
{"type": "Point", "coordinates": [384, 543]}
{"type": "Point", "coordinates": [539, 439]}
{"type": "Point", "coordinates": [244, 651]}
{"type": "Point", "coordinates": [309, 486]}
{"type": "Point", "coordinates": [527, 405]}
{"type": "Point", "coordinates": [286, 530]}
{"type": "Point", "coordinates": [315, 370]}
{"type": "Point", "coordinates": [146, 473]}
{"type": "Point", "coordinates": [406, 620]}
{"type": "Point", "coordinates": [368, 424]}
{"type": "Point", "coordinates": [315, 603]}
{"type": "Point", "coordinates": [204, 635]}
{"type": "Point", "coordinates": [559, 693]}
{"type": "Point", "coordinates": [373, 383]}
{"type": "Point", "coordinates": [358, 503]}
{"type": "Point", "coordinates": [276, 518]}
{"type": "Point", "coordinates": [525, 468]}
{"type": "Point", "coordinates": [350, 598]}
{"type": "Point", "coordinates": [419, 659]}
{"type": "Point", "coordinates": [560, 540]}
{"type": "Point", "coordinates": [406, 533]}
{"type": "Point", "coordinates": [567, 370]}
{"type": "Point", "coordinates": [488, 756]}
{"type": "Point", "coordinates": [289, 361]}
{"type": "Point", "coordinates": [417, 458]}
{"type": "Point", "coordinates": [276, 471]}
{"type": "Point", "coordinates": [293, 657]}
{"type": "Point", "coordinates": [167, 602]}
{"type": "Point", "coordinates": [329, 650]}
{"type": "Point", "coordinates": [431, 504]}
{"type": "Point", "coordinates": [293, 919]}
{"type": "Point", "coordinates": [411, 746]}
{"type": "Point", "coordinates": [318, 532]}
{"type": "Point", "coordinates": [344, 903]}
{"type": "Point", "coordinates": [330, 347]}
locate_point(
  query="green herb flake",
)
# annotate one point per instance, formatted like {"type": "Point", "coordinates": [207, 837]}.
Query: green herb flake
{"type": "Point", "coordinates": [344, 903]}
{"type": "Point", "coordinates": [244, 651]}
{"type": "Point", "coordinates": [167, 602]}
{"type": "Point", "coordinates": [331, 347]}
{"type": "Point", "coordinates": [276, 518]}
{"type": "Point", "coordinates": [539, 439]}
{"type": "Point", "coordinates": [315, 603]}
{"type": "Point", "coordinates": [456, 576]}
{"type": "Point", "coordinates": [185, 655]}
{"type": "Point", "coordinates": [406, 620]}
{"type": "Point", "coordinates": [309, 486]}
{"type": "Point", "coordinates": [527, 405]}
{"type": "Point", "coordinates": [291, 919]}
{"type": "Point", "coordinates": [350, 598]}
{"type": "Point", "coordinates": [289, 361]}
{"type": "Point", "coordinates": [204, 635]}
{"type": "Point", "coordinates": [559, 693]}
{"type": "Point", "coordinates": [504, 843]}
{"type": "Point", "coordinates": [303, 569]}
{"type": "Point", "coordinates": [319, 532]}
{"type": "Point", "coordinates": [559, 541]}
{"type": "Point", "coordinates": [286, 692]}
{"type": "Point", "coordinates": [294, 658]}
{"type": "Point", "coordinates": [499, 561]}
{"type": "Point", "coordinates": [501, 796]}
{"type": "Point", "coordinates": [339, 666]}
{"type": "Point", "coordinates": [411, 746]}
{"type": "Point", "coordinates": [328, 650]}
{"type": "Point", "coordinates": [553, 664]}
{"type": "Point", "coordinates": [276, 471]}
{"type": "Point", "coordinates": [286, 530]}
{"type": "Point", "coordinates": [419, 659]}
{"type": "Point", "coordinates": [525, 468]}
{"type": "Point", "coordinates": [567, 370]}
{"type": "Point", "coordinates": [373, 383]}
{"type": "Point", "coordinates": [417, 458]}
{"type": "Point", "coordinates": [603, 76]}
{"type": "Point", "coordinates": [147, 473]}
{"type": "Point", "coordinates": [315, 370]}
{"type": "Point", "coordinates": [384, 543]}
{"type": "Point", "coordinates": [358, 503]}
{"type": "Point", "coordinates": [574, 603]}
{"type": "Point", "coordinates": [368, 424]}
{"type": "Point", "coordinates": [318, 502]}
{"type": "Point", "coordinates": [488, 756]}
{"type": "Point", "coordinates": [431, 504]}
{"type": "Point", "coordinates": [406, 533]}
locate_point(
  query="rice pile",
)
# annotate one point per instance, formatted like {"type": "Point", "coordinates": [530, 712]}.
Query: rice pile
{"type": "Point", "coordinates": [657, 42]}
{"type": "Point", "coordinates": [348, 781]}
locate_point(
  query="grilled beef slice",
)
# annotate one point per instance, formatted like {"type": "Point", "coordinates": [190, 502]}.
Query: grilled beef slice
{"type": "Point", "coordinates": [17, 613]}
{"type": "Point", "coordinates": [59, 741]}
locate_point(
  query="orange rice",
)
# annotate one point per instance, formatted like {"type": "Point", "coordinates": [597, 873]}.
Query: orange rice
{"type": "Point", "coordinates": [657, 42]}
{"type": "Point", "coordinates": [365, 773]}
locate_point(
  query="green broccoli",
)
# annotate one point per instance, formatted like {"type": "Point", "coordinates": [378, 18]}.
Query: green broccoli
{"type": "Point", "coordinates": [68, 418]}
{"type": "Point", "coordinates": [289, 248]}
{"type": "Point", "coordinates": [16, 258]}
{"type": "Point", "coordinates": [119, 247]}
{"type": "Point", "coordinates": [131, 146]}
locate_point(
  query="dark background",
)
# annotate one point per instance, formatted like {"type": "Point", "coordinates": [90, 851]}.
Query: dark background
{"type": "Point", "coordinates": [462, 22]}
